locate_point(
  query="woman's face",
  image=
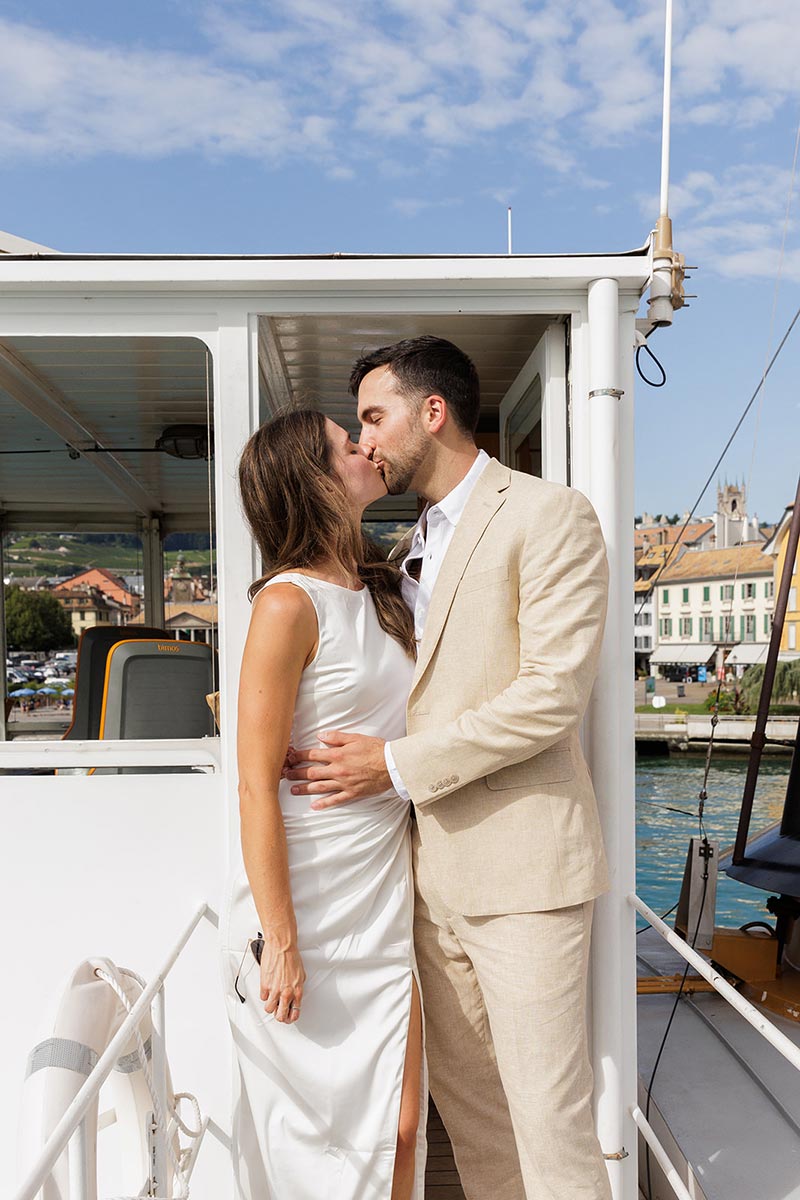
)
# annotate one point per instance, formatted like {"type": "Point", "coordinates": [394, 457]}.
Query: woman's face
{"type": "Point", "coordinates": [362, 480]}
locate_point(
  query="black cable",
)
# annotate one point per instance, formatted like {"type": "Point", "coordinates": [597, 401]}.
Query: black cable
{"type": "Point", "coordinates": [663, 915]}
{"type": "Point", "coordinates": [642, 375]}
{"type": "Point", "coordinates": [672, 1017]}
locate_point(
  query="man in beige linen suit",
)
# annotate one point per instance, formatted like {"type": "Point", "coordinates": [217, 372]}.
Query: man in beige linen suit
{"type": "Point", "coordinates": [507, 577]}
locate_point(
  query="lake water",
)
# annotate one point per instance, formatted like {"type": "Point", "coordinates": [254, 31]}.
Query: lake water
{"type": "Point", "coordinates": [662, 837]}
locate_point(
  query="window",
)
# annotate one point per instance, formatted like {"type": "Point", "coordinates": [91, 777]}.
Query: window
{"type": "Point", "coordinates": [667, 623]}
{"type": "Point", "coordinates": [792, 606]}
{"type": "Point", "coordinates": [726, 591]}
{"type": "Point", "coordinates": [767, 623]}
{"type": "Point", "coordinates": [769, 589]}
{"type": "Point", "coordinates": [707, 629]}
{"type": "Point", "coordinates": [685, 626]}
{"type": "Point", "coordinates": [706, 594]}
{"type": "Point", "coordinates": [665, 596]}
{"type": "Point", "coordinates": [685, 595]}
{"type": "Point", "coordinates": [750, 628]}
{"type": "Point", "coordinates": [791, 630]}
{"type": "Point", "coordinates": [748, 591]}
{"type": "Point", "coordinates": [726, 629]}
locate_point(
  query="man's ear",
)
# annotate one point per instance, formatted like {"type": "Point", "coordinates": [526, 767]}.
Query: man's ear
{"type": "Point", "coordinates": [434, 413]}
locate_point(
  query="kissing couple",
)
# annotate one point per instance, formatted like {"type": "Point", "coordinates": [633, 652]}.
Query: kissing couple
{"type": "Point", "coordinates": [420, 841]}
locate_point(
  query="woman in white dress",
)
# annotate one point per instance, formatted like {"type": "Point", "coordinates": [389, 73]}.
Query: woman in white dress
{"type": "Point", "coordinates": [317, 933]}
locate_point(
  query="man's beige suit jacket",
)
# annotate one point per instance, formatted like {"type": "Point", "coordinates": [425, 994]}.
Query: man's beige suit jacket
{"type": "Point", "coordinates": [506, 814]}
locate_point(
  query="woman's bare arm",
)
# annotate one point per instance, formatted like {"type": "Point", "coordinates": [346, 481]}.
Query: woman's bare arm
{"type": "Point", "coordinates": [281, 641]}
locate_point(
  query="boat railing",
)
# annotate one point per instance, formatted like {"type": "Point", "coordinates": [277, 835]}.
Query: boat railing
{"type": "Point", "coordinates": [203, 754]}
{"type": "Point", "coordinates": [72, 1130]}
{"type": "Point", "coordinates": [754, 1016]}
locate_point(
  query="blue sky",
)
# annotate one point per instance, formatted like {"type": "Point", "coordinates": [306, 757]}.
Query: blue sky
{"type": "Point", "coordinates": [408, 125]}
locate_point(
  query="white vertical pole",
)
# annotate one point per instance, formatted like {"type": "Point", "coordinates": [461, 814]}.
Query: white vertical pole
{"type": "Point", "coordinates": [610, 737]}
{"type": "Point", "coordinates": [509, 229]}
{"type": "Point", "coordinates": [158, 1065]}
{"type": "Point", "coordinates": [152, 572]}
{"type": "Point", "coordinates": [665, 115]}
{"type": "Point", "coordinates": [3, 648]}
{"type": "Point", "coordinates": [78, 1157]}
{"type": "Point", "coordinates": [235, 418]}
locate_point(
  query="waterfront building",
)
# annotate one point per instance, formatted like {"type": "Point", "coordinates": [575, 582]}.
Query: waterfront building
{"type": "Point", "coordinates": [659, 546]}
{"type": "Point", "coordinates": [714, 610]}
{"type": "Point", "coordinates": [776, 549]}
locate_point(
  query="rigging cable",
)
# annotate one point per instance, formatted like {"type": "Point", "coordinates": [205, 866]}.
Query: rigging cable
{"type": "Point", "coordinates": [713, 471]}
{"type": "Point", "coordinates": [762, 382]}
{"type": "Point", "coordinates": [703, 794]}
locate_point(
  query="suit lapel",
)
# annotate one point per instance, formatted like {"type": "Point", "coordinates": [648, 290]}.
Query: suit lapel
{"type": "Point", "coordinates": [487, 497]}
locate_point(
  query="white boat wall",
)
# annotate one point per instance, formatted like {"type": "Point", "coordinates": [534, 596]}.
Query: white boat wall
{"type": "Point", "coordinates": [103, 352]}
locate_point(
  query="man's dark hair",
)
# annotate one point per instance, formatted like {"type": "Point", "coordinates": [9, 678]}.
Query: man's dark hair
{"type": "Point", "coordinates": [428, 366]}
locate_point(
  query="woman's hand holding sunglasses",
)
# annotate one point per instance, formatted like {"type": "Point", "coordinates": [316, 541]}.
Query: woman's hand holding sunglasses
{"type": "Point", "coordinates": [282, 980]}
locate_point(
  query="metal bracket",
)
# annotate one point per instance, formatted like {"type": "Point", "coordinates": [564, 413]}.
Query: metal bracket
{"type": "Point", "coordinates": [615, 392]}
{"type": "Point", "coordinates": [152, 1134]}
{"type": "Point", "coordinates": [618, 1155]}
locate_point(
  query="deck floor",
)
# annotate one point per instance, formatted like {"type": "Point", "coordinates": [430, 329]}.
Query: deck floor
{"type": "Point", "coordinates": [441, 1176]}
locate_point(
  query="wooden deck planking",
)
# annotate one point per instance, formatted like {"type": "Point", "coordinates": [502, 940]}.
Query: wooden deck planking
{"type": "Point", "coordinates": [441, 1176]}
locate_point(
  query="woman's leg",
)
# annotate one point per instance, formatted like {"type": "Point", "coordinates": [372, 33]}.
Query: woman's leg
{"type": "Point", "coordinates": [405, 1155]}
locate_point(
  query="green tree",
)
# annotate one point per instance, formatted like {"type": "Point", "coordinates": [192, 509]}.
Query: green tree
{"type": "Point", "coordinates": [36, 621]}
{"type": "Point", "coordinates": [785, 688]}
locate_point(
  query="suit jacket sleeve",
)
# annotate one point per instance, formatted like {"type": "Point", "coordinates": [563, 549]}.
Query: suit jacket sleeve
{"type": "Point", "coordinates": [563, 595]}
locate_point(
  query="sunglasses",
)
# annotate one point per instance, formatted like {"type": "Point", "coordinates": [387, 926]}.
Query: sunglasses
{"type": "Point", "coordinates": [256, 946]}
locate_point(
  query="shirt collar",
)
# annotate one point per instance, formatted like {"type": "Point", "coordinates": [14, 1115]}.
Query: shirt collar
{"type": "Point", "coordinates": [453, 504]}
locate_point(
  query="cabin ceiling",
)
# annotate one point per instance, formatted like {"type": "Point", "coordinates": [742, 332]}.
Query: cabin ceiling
{"type": "Point", "coordinates": [121, 393]}
{"type": "Point", "coordinates": [118, 392]}
{"type": "Point", "coordinates": [308, 360]}
{"type": "Point", "coordinates": [315, 354]}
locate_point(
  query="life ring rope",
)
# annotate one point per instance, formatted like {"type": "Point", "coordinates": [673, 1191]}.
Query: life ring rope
{"type": "Point", "coordinates": [178, 1160]}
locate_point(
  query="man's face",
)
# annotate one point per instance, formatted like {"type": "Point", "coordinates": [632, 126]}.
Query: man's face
{"type": "Point", "coordinates": [391, 431]}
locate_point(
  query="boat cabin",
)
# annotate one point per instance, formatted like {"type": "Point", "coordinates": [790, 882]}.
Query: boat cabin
{"type": "Point", "coordinates": [128, 386]}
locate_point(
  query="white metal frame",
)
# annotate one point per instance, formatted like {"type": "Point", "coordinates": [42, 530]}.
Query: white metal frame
{"type": "Point", "coordinates": [751, 1014]}
{"type": "Point", "coordinates": [73, 1123]}
{"type": "Point", "coordinates": [547, 364]}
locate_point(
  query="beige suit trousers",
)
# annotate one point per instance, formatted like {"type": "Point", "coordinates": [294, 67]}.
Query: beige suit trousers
{"type": "Point", "coordinates": [505, 1016]}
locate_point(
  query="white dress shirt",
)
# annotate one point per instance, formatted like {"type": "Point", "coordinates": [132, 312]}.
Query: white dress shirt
{"type": "Point", "coordinates": [430, 540]}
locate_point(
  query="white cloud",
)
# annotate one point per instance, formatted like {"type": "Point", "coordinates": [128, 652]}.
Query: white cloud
{"type": "Point", "coordinates": [553, 80]}
{"type": "Point", "coordinates": [734, 223]}
{"type": "Point", "coordinates": [78, 99]}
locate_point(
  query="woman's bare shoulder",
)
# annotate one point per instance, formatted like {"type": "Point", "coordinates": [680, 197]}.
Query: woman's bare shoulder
{"type": "Point", "coordinates": [284, 608]}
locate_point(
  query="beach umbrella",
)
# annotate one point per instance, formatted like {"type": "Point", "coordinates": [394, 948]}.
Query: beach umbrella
{"type": "Point", "coordinates": [68, 692]}
{"type": "Point", "coordinates": [23, 692]}
{"type": "Point", "coordinates": [47, 692]}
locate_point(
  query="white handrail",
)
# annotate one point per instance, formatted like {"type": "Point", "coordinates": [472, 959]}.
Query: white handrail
{"type": "Point", "coordinates": [105, 1064]}
{"type": "Point", "coordinates": [770, 1032]}
{"type": "Point", "coordinates": [648, 1133]}
{"type": "Point", "coordinates": [151, 752]}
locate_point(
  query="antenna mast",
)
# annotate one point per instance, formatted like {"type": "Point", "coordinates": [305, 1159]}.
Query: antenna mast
{"type": "Point", "coordinates": [666, 286]}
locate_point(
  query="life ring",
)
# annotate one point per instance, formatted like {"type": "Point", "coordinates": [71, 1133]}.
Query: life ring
{"type": "Point", "coordinates": [88, 1016]}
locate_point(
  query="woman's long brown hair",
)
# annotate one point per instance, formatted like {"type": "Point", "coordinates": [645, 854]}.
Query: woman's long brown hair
{"type": "Point", "coordinates": [296, 506]}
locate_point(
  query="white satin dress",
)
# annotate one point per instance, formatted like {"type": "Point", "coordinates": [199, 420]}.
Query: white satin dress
{"type": "Point", "coordinates": [317, 1103]}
